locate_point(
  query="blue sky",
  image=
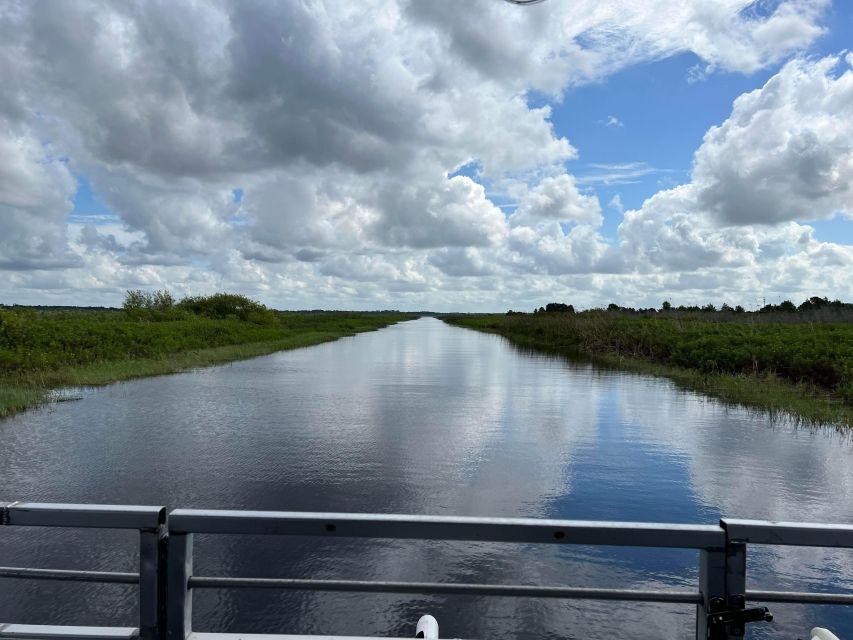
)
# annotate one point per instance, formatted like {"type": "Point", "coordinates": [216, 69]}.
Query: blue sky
{"type": "Point", "coordinates": [88, 206]}
{"type": "Point", "coordinates": [308, 154]}
{"type": "Point", "coordinates": [665, 117]}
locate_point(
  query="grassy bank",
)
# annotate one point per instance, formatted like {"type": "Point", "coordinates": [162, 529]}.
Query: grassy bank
{"type": "Point", "coordinates": [801, 370]}
{"type": "Point", "coordinates": [45, 350]}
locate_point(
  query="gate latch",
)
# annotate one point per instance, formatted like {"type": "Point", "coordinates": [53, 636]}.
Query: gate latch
{"type": "Point", "coordinates": [726, 621]}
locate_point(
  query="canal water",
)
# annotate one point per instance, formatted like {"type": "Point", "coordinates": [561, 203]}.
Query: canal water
{"type": "Point", "coordinates": [421, 418]}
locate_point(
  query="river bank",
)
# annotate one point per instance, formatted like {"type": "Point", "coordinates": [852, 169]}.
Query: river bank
{"type": "Point", "coordinates": [41, 351]}
{"type": "Point", "coordinates": [801, 370]}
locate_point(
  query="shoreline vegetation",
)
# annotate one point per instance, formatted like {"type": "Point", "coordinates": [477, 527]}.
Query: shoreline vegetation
{"type": "Point", "coordinates": [800, 369]}
{"type": "Point", "coordinates": [46, 349]}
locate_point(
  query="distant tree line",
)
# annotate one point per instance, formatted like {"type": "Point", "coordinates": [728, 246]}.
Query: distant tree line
{"type": "Point", "coordinates": [812, 306]}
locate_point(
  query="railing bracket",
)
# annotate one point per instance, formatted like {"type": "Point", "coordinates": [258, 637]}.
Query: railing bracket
{"type": "Point", "coordinates": [5, 512]}
{"type": "Point", "coordinates": [729, 620]}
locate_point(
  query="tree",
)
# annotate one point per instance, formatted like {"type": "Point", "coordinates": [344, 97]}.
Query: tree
{"type": "Point", "coordinates": [666, 306]}
{"type": "Point", "coordinates": [814, 303]}
{"type": "Point", "coordinates": [162, 300]}
{"type": "Point", "coordinates": [139, 300]}
{"type": "Point", "coordinates": [559, 307]}
{"type": "Point", "coordinates": [136, 299]}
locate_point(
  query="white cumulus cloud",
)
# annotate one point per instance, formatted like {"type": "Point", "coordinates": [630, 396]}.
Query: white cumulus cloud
{"type": "Point", "coordinates": [786, 151]}
{"type": "Point", "coordinates": [345, 126]}
{"type": "Point", "coordinates": [558, 198]}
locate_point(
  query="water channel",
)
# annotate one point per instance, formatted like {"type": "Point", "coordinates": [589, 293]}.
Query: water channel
{"type": "Point", "coordinates": [422, 418]}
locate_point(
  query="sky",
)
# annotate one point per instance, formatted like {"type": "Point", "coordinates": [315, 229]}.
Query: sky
{"type": "Point", "coordinates": [427, 154]}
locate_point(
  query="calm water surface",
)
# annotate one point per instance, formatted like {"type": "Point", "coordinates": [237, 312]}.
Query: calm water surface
{"type": "Point", "coordinates": [421, 418]}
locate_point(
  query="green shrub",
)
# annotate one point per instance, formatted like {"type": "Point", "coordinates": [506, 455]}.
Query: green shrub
{"type": "Point", "coordinates": [226, 305]}
{"type": "Point", "coordinates": [142, 305]}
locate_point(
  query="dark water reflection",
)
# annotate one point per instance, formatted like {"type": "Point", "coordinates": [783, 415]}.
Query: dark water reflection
{"type": "Point", "coordinates": [421, 418]}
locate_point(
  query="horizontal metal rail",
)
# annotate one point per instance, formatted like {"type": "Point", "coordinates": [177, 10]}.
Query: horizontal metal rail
{"type": "Point", "coordinates": [517, 591]}
{"type": "Point", "coordinates": [788, 533]}
{"type": "Point", "coordinates": [67, 575]}
{"type": "Point", "coordinates": [524, 530]}
{"type": "Point", "coordinates": [206, 635]}
{"type": "Point", "coordinates": [43, 514]}
{"type": "Point", "coordinates": [800, 597]}
{"type": "Point", "coordinates": [65, 632]}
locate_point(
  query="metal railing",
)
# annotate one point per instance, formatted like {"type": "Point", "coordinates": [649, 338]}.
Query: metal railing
{"type": "Point", "coordinates": [151, 524]}
{"type": "Point", "coordinates": [166, 607]}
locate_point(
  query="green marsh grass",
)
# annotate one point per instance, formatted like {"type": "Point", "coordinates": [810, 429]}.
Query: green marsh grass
{"type": "Point", "coordinates": [800, 371]}
{"type": "Point", "coordinates": [43, 351]}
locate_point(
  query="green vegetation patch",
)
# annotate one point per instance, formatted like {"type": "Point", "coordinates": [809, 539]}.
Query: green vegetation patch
{"type": "Point", "coordinates": [152, 335]}
{"type": "Point", "coordinates": [804, 370]}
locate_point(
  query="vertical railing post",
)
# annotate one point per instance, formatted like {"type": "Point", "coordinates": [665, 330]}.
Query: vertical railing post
{"type": "Point", "coordinates": [722, 583]}
{"type": "Point", "coordinates": [712, 586]}
{"type": "Point", "coordinates": [736, 583]}
{"type": "Point", "coordinates": [179, 610]}
{"type": "Point", "coordinates": [152, 583]}
{"type": "Point", "coordinates": [735, 569]}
